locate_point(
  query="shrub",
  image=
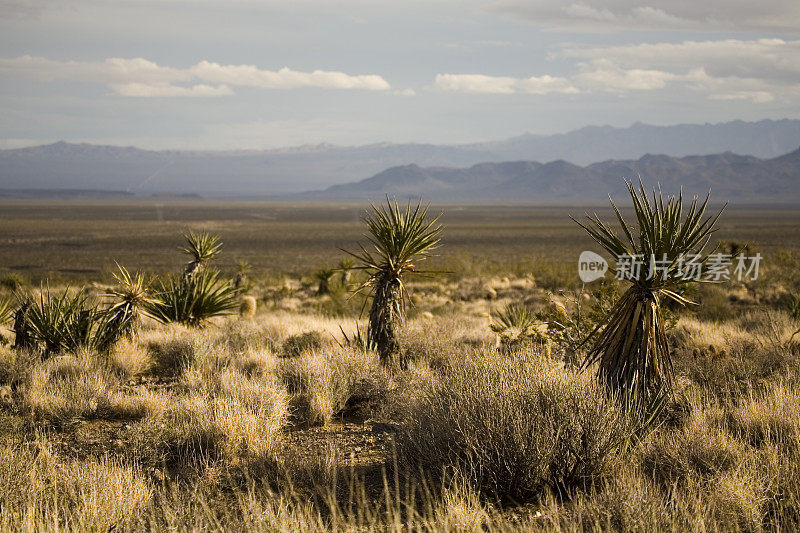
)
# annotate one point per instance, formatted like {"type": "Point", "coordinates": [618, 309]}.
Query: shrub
{"type": "Point", "coordinates": [302, 342]}
{"type": "Point", "coordinates": [170, 358]}
{"type": "Point", "coordinates": [183, 435]}
{"type": "Point", "coordinates": [773, 417]}
{"type": "Point", "coordinates": [13, 282]}
{"type": "Point", "coordinates": [323, 386]}
{"type": "Point", "coordinates": [39, 492]}
{"type": "Point", "coordinates": [695, 453]}
{"type": "Point", "coordinates": [511, 429]}
{"type": "Point", "coordinates": [129, 359]}
{"type": "Point", "coordinates": [69, 387]}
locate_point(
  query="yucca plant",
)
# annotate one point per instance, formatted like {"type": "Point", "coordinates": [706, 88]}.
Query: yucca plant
{"type": "Point", "coordinates": [132, 301]}
{"type": "Point", "coordinates": [358, 339]}
{"type": "Point", "coordinates": [514, 325]}
{"type": "Point", "coordinates": [192, 300]}
{"type": "Point", "coordinates": [242, 268]}
{"type": "Point", "coordinates": [399, 239]}
{"type": "Point", "coordinates": [323, 277]}
{"type": "Point", "coordinates": [65, 321]}
{"type": "Point", "coordinates": [345, 266]}
{"type": "Point", "coordinates": [631, 346]}
{"type": "Point", "coordinates": [202, 247]}
{"type": "Point", "coordinates": [6, 312]}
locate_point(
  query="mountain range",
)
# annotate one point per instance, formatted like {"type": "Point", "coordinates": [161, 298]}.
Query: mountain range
{"type": "Point", "coordinates": [730, 176]}
{"type": "Point", "coordinates": [267, 173]}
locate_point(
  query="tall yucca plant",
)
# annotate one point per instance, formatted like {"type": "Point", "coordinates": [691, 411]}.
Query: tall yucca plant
{"type": "Point", "coordinates": [631, 346]}
{"type": "Point", "coordinates": [202, 247]}
{"type": "Point", "coordinates": [400, 239]}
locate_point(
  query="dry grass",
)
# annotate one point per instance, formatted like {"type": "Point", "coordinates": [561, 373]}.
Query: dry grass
{"type": "Point", "coordinates": [217, 429]}
{"type": "Point", "coordinates": [512, 429]}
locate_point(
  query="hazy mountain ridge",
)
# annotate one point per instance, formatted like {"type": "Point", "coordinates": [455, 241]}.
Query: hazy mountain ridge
{"type": "Point", "coordinates": [729, 175]}
{"type": "Point", "coordinates": [270, 172]}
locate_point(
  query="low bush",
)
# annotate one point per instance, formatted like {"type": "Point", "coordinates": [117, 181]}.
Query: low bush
{"type": "Point", "coordinates": [70, 387]}
{"type": "Point", "coordinates": [511, 429]}
{"type": "Point", "coordinates": [303, 342]}
{"type": "Point", "coordinates": [171, 357]}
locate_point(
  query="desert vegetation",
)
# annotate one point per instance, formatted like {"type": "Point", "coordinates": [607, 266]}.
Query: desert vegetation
{"type": "Point", "coordinates": [468, 401]}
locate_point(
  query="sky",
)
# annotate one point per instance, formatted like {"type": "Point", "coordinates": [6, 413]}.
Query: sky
{"type": "Point", "coordinates": [257, 74]}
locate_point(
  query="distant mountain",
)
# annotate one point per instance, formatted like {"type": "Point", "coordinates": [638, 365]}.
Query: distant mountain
{"type": "Point", "coordinates": [63, 166]}
{"type": "Point", "coordinates": [729, 176]}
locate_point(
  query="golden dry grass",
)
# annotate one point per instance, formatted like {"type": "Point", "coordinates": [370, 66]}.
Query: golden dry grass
{"type": "Point", "coordinates": [226, 429]}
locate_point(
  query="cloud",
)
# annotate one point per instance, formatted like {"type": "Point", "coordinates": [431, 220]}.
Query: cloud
{"type": "Point", "coordinates": [759, 70]}
{"type": "Point", "coordinates": [725, 69]}
{"type": "Point", "coordinates": [609, 77]}
{"type": "Point", "coordinates": [143, 90]}
{"type": "Point", "coordinates": [481, 84]}
{"type": "Point", "coordinates": [606, 15]}
{"type": "Point", "coordinates": [143, 78]}
{"type": "Point", "coordinates": [773, 58]}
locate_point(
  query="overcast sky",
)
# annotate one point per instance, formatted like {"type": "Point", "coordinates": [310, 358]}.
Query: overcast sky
{"type": "Point", "coordinates": [223, 74]}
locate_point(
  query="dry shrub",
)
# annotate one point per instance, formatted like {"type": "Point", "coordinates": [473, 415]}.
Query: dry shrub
{"type": "Point", "coordinates": [324, 384]}
{"type": "Point", "coordinates": [68, 387]}
{"type": "Point", "coordinates": [235, 417]}
{"type": "Point", "coordinates": [172, 356]}
{"type": "Point", "coordinates": [303, 342]}
{"type": "Point", "coordinates": [182, 435]}
{"type": "Point", "coordinates": [38, 492]}
{"type": "Point", "coordinates": [461, 509]}
{"type": "Point", "coordinates": [696, 452]}
{"type": "Point", "coordinates": [625, 501]}
{"type": "Point", "coordinates": [14, 365]}
{"type": "Point", "coordinates": [737, 501]}
{"type": "Point", "coordinates": [772, 417]}
{"type": "Point", "coordinates": [129, 358]}
{"type": "Point", "coordinates": [251, 413]}
{"type": "Point", "coordinates": [511, 429]}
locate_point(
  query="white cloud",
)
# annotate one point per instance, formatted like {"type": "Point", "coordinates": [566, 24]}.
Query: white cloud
{"type": "Point", "coordinates": [604, 15]}
{"type": "Point", "coordinates": [144, 90]}
{"type": "Point", "coordinates": [609, 77]}
{"type": "Point", "coordinates": [481, 84]}
{"type": "Point", "coordinates": [141, 77]}
{"type": "Point", "coordinates": [755, 96]}
{"type": "Point", "coordinates": [759, 58]}
{"type": "Point", "coordinates": [757, 70]}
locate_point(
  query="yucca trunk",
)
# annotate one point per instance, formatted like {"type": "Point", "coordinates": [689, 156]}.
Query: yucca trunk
{"type": "Point", "coordinates": [632, 350]}
{"type": "Point", "coordinates": [23, 338]}
{"type": "Point", "coordinates": [385, 316]}
{"type": "Point", "coordinates": [323, 287]}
